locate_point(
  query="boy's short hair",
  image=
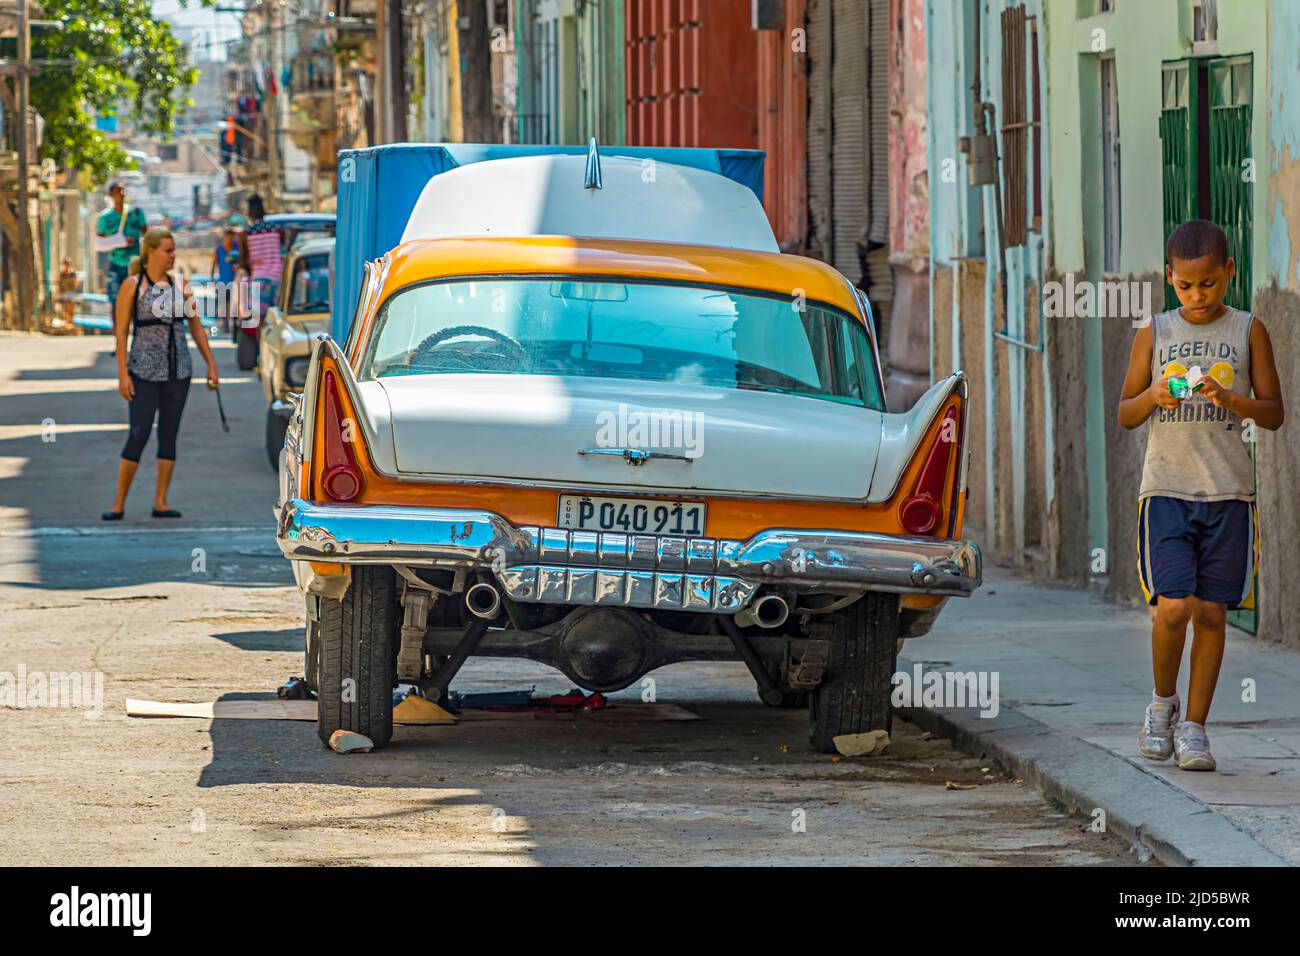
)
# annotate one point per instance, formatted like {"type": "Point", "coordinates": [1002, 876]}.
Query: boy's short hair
{"type": "Point", "coordinates": [1197, 238]}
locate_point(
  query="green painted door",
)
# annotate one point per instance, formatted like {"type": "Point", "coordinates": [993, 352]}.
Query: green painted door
{"type": "Point", "coordinates": [1231, 179]}
{"type": "Point", "coordinates": [1231, 168]}
{"type": "Point", "coordinates": [1178, 150]}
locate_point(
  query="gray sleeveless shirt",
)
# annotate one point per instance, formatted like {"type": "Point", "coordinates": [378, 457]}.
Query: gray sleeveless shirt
{"type": "Point", "coordinates": [1196, 452]}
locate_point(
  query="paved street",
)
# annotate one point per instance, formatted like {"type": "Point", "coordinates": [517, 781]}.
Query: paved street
{"type": "Point", "coordinates": [126, 601]}
{"type": "Point", "coordinates": [1075, 677]}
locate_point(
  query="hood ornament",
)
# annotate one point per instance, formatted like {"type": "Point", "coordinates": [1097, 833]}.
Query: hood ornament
{"type": "Point", "coordinates": [592, 178]}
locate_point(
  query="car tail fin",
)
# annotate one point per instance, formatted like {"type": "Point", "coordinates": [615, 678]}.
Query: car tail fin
{"type": "Point", "coordinates": [339, 461]}
{"type": "Point", "coordinates": [927, 503]}
{"type": "Point", "coordinates": [924, 474]}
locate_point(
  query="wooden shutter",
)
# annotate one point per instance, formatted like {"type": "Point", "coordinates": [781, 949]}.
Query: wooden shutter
{"type": "Point", "coordinates": [849, 168]}
{"type": "Point", "coordinates": [878, 111]}
{"type": "Point", "coordinates": [1015, 128]}
{"type": "Point", "coordinates": [819, 128]}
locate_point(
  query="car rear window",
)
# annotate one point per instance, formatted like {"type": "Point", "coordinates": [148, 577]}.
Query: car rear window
{"type": "Point", "coordinates": [309, 286]}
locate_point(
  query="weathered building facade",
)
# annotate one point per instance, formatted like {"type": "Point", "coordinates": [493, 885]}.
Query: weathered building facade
{"type": "Point", "coordinates": [986, 244]}
{"type": "Point", "coordinates": [1067, 139]}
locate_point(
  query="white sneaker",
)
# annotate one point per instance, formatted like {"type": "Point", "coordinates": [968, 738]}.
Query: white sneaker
{"type": "Point", "coordinates": [1156, 741]}
{"type": "Point", "coordinates": [1192, 747]}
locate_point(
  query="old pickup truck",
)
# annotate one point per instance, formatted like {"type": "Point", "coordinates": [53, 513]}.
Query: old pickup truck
{"type": "Point", "coordinates": [583, 411]}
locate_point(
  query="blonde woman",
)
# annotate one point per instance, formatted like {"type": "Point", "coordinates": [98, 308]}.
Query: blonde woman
{"type": "Point", "coordinates": [154, 374]}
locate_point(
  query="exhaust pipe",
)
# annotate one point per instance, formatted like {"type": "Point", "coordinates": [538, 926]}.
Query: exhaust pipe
{"type": "Point", "coordinates": [483, 600]}
{"type": "Point", "coordinates": [768, 611]}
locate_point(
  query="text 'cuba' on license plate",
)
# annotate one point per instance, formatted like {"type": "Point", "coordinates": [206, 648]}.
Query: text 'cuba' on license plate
{"type": "Point", "coordinates": [634, 515]}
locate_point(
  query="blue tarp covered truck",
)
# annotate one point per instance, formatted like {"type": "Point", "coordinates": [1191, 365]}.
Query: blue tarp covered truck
{"type": "Point", "coordinates": [378, 188]}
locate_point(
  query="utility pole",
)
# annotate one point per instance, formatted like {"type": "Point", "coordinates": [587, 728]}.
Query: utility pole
{"type": "Point", "coordinates": [478, 121]}
{"type": "Point", "coordinates": [14, 222]}
{"type": "Point", "coordinates": [273, 114]}
{"type": "Point", "coordinates": [26, 270]}
{"type": "Point", "coordinates": [390, 77]}
{"type": "Point", "coordinates": [395, 57]}
{"type": "Point", "coordinates": [381, 99]}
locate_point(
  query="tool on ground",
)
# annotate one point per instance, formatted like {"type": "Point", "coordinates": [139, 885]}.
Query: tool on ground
{"type": "Point", "coordinates": [221, 409]}
{"type": "Point", "coordinates": [295, 688]}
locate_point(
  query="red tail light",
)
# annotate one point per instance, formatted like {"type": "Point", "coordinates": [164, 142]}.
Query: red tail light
{"type": "Point", "coordinates": [341, 479]}
{"type": "Point", "coordinates": [922, 510]}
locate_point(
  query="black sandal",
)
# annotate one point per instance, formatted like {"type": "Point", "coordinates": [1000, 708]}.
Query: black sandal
{"type": "Point", "coordinates": [112, 515]}
{"type": "Point", "coordinates": [169, 513]}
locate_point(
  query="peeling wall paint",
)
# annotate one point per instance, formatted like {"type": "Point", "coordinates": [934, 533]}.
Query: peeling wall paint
{"type": "Point", "coordinates": [1284, 143]}
{"type": "Point", "coordinates": [909, 186]}
{"type": "Point", "coordinates": [1278, 306]}
{"type": "Point", "coordinates": [993, 311]}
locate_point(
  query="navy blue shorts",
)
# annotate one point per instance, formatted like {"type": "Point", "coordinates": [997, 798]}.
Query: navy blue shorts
{"type": "Point", "coordinates": [1203, 549]}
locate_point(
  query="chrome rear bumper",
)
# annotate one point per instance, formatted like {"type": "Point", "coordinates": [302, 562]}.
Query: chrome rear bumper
{"type": "Point", "coordinates": [560, 566]}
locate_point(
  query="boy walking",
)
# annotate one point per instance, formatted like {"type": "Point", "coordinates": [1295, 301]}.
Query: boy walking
{"type": "Point", "coordinates": [1197, 532]}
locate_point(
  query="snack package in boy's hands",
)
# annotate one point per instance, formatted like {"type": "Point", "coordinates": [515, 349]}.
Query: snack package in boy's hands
{"type": "Point", "coordinates": [1183, 386]}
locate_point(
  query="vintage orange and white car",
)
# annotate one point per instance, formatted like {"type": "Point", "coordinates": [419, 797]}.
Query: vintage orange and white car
{"type": "Point", "coordinates": [598, 420]}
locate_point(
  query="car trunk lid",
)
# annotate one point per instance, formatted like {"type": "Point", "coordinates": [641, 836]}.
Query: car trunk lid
{"type": "Point", "coordinates": [561, 430]}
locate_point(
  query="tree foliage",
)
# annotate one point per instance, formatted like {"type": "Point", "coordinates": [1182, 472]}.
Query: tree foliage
{"type": "Point", "coordinates": [111, 55]}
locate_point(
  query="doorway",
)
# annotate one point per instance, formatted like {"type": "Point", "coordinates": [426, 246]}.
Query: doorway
{"type": "Point", "coordinates": [1207, 173]}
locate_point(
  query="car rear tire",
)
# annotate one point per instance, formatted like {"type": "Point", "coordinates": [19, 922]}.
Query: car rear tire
{"type": "Point", "coordinates": [854, 695]}
{"type": "Point", "coordinates": [246, 351]}
{"type": "Point", "coordinates": [311, 656]}
{"type": "Point", "coordinates": [276, 426]}
{"type": "Point", "coordinates": [358, 666]}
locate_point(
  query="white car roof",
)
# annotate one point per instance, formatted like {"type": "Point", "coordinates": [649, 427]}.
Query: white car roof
{"type": "Point", "coordinates": [545, 196]}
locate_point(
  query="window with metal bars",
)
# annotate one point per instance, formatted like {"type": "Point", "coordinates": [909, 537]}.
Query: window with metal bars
{"type": "Point", "coordinates": [1021, 168]}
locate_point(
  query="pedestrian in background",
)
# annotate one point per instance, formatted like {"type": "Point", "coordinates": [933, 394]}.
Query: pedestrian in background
{"type": "Point", "coordinates": [225, 257]}
{"type": "Point", "coordinates": [69, 283]}
{"type": "Point", "coordinates": [265, 257]}
{"type": "Point", "coordinates": [119, 230]}
{"type": "Point", "coordinates": [154, 376]}
{"type": "Point", "coordinates": [225, 260]}
{"type": "Point", "coordinates": [1198, 544]}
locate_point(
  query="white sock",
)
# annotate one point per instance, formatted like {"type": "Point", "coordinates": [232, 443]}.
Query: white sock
{"type": "Point", "coordinates": [1171, 700]}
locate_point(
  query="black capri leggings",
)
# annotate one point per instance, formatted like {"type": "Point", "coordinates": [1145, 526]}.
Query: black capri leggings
{"type": "Point", "coordinates": [167, 401]}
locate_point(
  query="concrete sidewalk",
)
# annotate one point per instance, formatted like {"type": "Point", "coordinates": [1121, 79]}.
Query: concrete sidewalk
{"type": "Point", "coordinates": [1074, 676]}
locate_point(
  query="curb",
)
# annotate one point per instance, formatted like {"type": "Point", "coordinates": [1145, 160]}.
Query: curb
{"type": "Point", "coordinates": [1178, 829]}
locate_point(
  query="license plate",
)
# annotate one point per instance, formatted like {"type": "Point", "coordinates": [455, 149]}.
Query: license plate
{"type": "Point", "coordinates": [633, 515]}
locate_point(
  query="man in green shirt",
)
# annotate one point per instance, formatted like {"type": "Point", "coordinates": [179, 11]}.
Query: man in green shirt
{"type": "Point", "coordinates": [110, 221]}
